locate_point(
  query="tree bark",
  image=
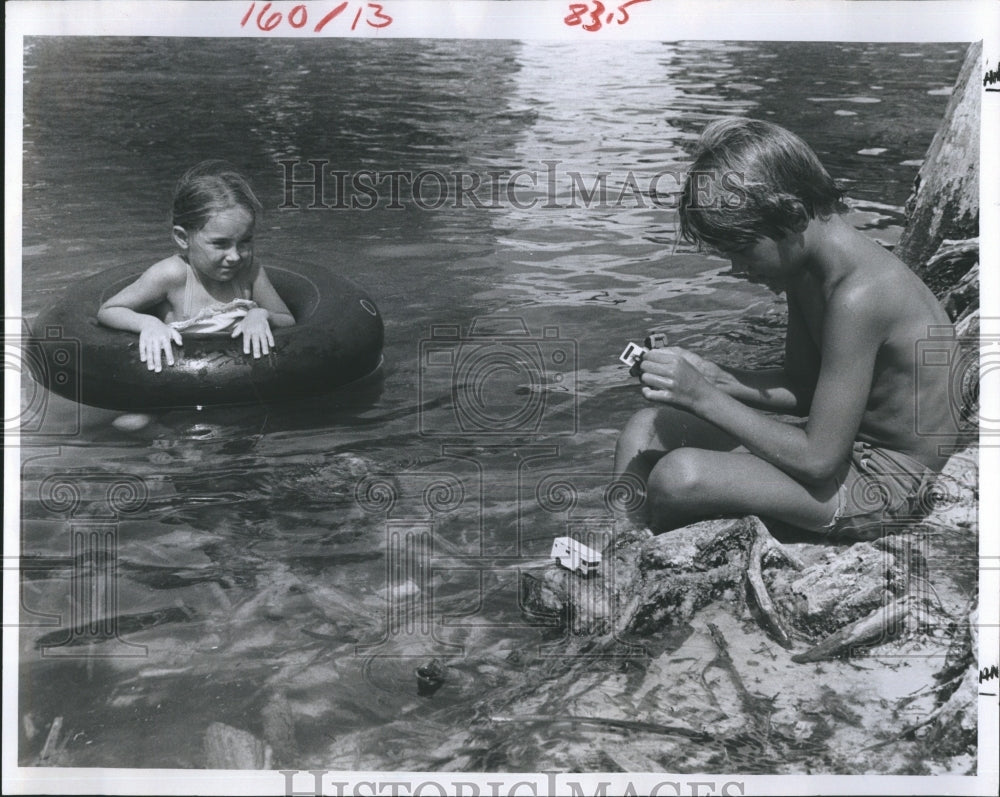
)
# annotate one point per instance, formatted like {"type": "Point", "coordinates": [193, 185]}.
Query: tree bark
{"type": "Point", "coordinates": [945, 200]}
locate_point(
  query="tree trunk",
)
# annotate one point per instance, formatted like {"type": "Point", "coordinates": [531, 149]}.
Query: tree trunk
{"type": "Point", "coordinates": [945, 200]}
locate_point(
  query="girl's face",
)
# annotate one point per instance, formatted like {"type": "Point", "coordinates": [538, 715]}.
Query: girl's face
{"type": "Point", "coordinates": [223, 247]}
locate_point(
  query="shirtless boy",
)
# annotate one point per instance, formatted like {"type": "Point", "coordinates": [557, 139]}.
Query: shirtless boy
{"type": "Point", "coordinates": [708, 447]}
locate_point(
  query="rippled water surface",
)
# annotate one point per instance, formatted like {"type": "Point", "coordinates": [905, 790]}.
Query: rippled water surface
{"type": "Point", "coordinates": [284, 569]}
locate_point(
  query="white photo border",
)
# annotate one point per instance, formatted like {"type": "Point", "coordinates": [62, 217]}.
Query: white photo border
{"type": "Point", "coordinates": [718, 20]}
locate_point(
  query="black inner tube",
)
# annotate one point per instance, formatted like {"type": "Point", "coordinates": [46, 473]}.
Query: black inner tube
{"type": "Point", "coordinates": [337, 339]}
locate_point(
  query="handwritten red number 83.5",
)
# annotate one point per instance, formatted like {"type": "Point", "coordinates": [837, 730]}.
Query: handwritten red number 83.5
{"type": "Point", "coordinates": [595, 11]}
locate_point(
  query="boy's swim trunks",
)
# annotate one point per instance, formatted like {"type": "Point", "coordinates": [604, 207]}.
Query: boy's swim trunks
{"type": "Point", "coordinates": [882, 491]}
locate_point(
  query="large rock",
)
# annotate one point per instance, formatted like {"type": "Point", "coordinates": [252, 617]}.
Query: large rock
{"type": "Point", "coordinates": [844, 585]}
{"type": "Point", "coordinates": [665, 580]}
{"type": "Point", "coordinates": [646, 584]}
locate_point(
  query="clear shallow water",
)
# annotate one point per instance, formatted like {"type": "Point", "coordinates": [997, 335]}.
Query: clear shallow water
{"type": "Point", "coordinates": [253, 563]}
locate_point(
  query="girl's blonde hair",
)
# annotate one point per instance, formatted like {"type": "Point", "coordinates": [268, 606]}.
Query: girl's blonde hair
{"type": "Point", "coordinates": [208, 188]}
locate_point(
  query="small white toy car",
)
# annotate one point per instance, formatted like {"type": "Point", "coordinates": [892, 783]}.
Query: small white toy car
{"type": "Point", "coordinates": [576, 556]}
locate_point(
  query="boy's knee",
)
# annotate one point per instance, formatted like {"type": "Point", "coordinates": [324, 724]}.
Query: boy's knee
{"type": "Point", "coordinates": [679, 478]}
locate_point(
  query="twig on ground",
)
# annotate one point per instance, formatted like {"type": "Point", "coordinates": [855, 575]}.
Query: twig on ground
{"type": "Point", "coordinates": [908, 730]}
{"type": "Point", "coordinates": [631, 725]}
{"type": "Point", "coordinates": [52, 746]}
{"type": "Point", "coordinates": [726, 661]}
{"type": "Point", "coordinates": [881, 625]}
{"type": "Point", "coordinates": [764, 544]}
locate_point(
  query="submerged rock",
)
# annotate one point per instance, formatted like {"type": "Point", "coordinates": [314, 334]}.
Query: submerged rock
{"type": "Point", "coordinates": [278, 720]}
{"type": "Point", "coordinates": [227, 747]}
{"type": "Point", "coordinates": [131, 422]}
{"type": "Point", "coordinates": [643, 585]}
{"type": "Point", "coordinates": [430, 677]}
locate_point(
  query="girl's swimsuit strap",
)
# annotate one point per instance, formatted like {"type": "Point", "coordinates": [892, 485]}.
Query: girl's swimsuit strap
{"type": "Point", "coordinates": [189, 282]}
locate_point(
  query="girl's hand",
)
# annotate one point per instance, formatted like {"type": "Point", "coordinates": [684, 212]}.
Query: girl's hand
{"type": "Point", "coordinates": [154, 340]}
{"type": "Point", "coordinates": [676, 376]}
{"type": "Point", "coordinates": [256, 332]}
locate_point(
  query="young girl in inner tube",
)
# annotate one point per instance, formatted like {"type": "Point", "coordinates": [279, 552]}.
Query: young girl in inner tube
{"type": "Point", "coordinates": [211, 286]}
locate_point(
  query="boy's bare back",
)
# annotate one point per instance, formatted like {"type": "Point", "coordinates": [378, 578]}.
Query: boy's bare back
{"type": "Point", "coordinates": [889, 300]}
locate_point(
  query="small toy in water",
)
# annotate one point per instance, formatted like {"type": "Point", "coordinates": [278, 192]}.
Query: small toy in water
{"type": "Point", "coordinates": [575, 556]}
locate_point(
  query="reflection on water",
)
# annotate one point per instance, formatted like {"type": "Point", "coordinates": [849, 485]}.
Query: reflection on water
{"type": "Point", "coordinates": [276, 565]}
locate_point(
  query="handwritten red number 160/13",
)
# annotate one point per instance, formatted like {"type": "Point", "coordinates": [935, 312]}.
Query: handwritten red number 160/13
{"type": "Point", "coordinates": [298, 16]}
{"type": "Point", "coordinates": [595, 13]}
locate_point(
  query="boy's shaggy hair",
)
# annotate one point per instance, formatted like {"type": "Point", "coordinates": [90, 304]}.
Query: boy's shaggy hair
{"type": "Point", "coordinates": [753, 179]}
